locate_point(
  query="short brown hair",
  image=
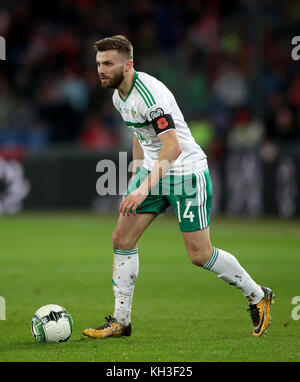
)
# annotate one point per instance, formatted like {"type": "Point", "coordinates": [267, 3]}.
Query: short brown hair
{"type": "Point", "coordinates": [118, 42]}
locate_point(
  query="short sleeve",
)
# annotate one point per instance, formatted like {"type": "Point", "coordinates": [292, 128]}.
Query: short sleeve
{"type": "Point", "coordinates": [155, 97]}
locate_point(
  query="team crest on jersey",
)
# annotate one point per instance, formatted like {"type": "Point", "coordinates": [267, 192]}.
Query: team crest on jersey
{"type": "Point", "coordinates": [156, 113]}
{"type": "Point", "coordinates": [133, 112]}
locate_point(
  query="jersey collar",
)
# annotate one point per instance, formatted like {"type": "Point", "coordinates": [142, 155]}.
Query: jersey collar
{"type": "Point", "coordinates": [132, 86]}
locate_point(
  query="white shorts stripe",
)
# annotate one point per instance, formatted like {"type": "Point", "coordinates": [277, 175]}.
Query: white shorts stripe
{"type": "Point", "coordinates": [199, 200]}
{"type": "Point", "coordinates": [202, 199]}
{"type": "Point", "coordinates": [205, 198]}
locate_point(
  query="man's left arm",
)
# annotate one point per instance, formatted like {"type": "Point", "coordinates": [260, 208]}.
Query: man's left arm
{"type": "Point", "coordinates": [170, 151]}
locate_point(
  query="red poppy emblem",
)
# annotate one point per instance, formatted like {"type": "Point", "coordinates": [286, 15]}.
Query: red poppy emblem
{"type": "Point", "coordinates": [162, 123]}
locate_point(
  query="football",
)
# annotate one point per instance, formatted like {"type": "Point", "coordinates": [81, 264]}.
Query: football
{"type": "Point", "coordinates": [51, 323]}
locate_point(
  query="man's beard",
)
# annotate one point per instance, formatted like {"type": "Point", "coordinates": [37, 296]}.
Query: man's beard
{"type": "Point", "coordinates": [115, 82]}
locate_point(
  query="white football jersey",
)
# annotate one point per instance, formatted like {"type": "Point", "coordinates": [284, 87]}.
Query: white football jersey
{"type": "Point", "coordinates": [149, 98]}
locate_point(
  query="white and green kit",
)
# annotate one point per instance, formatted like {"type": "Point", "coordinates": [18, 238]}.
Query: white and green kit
{"type": "Point", "coordinates": [187, 185]}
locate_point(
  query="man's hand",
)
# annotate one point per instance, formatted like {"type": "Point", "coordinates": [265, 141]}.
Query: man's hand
{"type": "Point", "coordinates": [170, 151]}
{"type": "Point", "coordinates": [132, 201]}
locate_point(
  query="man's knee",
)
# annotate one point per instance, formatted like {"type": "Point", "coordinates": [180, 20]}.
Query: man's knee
{"type": "Point", "coordinates": [198, 259]}
{"type": "Point", "coordinates": [199, 255]}
{"type": "Point", "coordinates": [122, 241]}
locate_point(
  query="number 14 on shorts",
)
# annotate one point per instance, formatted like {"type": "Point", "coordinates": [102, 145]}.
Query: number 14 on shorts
{"type": "Point", "coordinates": [192, 216]}
{"type": "Point", "coordinates": [187, 214]}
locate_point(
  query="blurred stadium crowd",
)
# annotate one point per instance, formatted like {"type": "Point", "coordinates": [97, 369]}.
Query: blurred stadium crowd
{"type": "Point", "coordinates": [228, 63]}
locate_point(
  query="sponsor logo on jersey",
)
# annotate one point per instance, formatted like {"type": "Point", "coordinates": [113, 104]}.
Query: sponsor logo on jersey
{"type": "Point", "coordinates": [124, 110]}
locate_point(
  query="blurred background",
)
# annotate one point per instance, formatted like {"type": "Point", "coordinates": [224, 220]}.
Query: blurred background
{"type": "Point", "coordinates": [228, 63]}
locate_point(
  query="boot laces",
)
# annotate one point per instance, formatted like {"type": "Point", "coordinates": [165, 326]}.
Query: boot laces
{"type": "Point", "coordinates": [109, 321]}
{"type": "Point", "coordinates": [254, 313]}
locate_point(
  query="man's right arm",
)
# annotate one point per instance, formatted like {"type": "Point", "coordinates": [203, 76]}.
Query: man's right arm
{"type": "Point", "coordinates": [137, 154]}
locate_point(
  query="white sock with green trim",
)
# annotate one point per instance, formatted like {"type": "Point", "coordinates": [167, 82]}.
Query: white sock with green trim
{"type": "Point", "coordinates": [125, 272]}
{"type": "Point", "coordinates": [229, 269]}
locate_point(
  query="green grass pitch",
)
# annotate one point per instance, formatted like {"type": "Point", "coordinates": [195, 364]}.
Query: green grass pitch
{"type": "Point", "coordinates": [180, 312]}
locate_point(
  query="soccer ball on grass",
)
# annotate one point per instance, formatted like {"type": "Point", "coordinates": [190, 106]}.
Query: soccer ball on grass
{"type": "Point", "coordinates": [51, 323]}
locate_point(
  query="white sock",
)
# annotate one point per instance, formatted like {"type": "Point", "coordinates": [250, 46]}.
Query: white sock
{"type": "Point", "coordinates": [229, 269]}
{"type": "Point", "coordinates": [125, 272]}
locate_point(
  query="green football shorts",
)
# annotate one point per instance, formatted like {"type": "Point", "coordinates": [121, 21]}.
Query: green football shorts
{"type": "Point", "coordinates": [189, 195]}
